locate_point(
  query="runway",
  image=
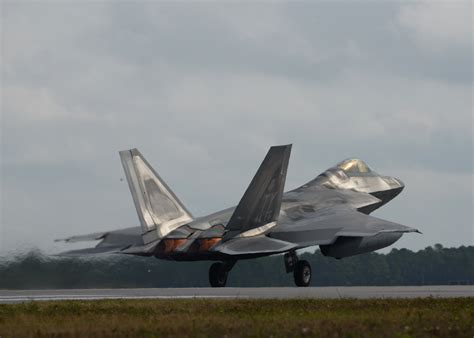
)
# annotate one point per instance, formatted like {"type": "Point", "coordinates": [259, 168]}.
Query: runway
{"type": "Point", "coordinates": [15, 296]}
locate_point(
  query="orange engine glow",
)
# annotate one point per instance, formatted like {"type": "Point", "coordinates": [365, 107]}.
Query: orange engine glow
{"type": "Point", "coordinates": [169, 245]}
{"type": "Point", "coordinates": [206, 243]}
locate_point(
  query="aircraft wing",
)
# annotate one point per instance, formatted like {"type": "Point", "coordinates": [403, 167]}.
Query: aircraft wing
{"type": "Point", "coordinates": [325, 226]}
{"type": "Point", "coordinates": [319, 228]}
{"type": "Point", "coordinates": [357, 224]}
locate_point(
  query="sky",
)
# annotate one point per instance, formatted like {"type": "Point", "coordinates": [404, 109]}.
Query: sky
{"type": "Point", "coordinates": [203, 89]}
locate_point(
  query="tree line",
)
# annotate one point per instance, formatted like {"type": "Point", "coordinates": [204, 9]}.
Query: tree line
{"type": "Point", "coordinates": [431, 266]}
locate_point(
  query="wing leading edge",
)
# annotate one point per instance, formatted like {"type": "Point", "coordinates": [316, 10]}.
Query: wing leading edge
{"type": "Point", "coordinates": [325, 226]}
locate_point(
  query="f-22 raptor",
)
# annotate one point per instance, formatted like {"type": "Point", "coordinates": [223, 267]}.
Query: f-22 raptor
{"type": "Point", "coordinates": [331, 211]}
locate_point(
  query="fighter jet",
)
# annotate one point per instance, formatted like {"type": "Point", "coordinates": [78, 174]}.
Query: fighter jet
{"type": "Point", "coordinates": [331, 211]}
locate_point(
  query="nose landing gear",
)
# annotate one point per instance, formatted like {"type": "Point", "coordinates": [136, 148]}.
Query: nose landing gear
{"type": "Point", "coordinates": [301, 269]}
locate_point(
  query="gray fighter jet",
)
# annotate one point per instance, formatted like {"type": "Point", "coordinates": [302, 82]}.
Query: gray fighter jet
{"type": "Point", "coordinates": [331, 211]}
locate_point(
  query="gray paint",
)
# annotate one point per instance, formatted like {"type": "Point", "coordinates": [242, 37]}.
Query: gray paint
{"type": "Point", "coordinates": [261, 203]}
{"type": "Point", "coordinates": [331, 211]}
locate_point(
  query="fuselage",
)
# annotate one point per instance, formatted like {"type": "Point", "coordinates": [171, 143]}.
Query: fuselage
{"type": "Point", "coordinates": [350, 184]}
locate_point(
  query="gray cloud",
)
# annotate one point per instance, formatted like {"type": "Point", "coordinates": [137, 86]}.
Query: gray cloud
{"type": "Point", "coordinates": [204, 88]}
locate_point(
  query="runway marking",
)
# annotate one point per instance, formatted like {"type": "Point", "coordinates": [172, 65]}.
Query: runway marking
{"type": "Point", "coordinates": [15, 296]}
{"type": "Point", "coordinates": [18, 299]}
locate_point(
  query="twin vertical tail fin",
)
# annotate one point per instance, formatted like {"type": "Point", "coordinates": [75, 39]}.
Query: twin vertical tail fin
{"type": "Point", "coordinates": [259, 208]}
{"type": "Point", "coordinates": [158, 208]}
{"type": "Point", "coordinates": [160, 211]}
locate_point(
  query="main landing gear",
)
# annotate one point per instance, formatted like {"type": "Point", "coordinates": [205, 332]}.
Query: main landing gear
{"type": "Point", "coordinates": [218, 273]}
{"type": "Point", "coordinates": [300, 268]}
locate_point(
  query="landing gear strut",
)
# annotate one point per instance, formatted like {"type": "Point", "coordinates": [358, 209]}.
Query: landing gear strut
{"type": "Point", "coordinates": [301, 269]}
{"type": "Point", "coordinates": [218, 273]}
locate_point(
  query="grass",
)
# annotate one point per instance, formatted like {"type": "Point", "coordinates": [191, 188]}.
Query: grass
{"type": "Point", "coordinates": [420, 317]}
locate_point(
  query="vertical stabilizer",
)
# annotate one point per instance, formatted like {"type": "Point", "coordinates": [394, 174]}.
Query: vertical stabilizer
{"type": "Point", "coordinates": [259, 208]}
{"type": "Point", "coordinates": [158, 208]}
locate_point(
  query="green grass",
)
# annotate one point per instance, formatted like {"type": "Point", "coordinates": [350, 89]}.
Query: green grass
{"type": "Point", "coordinates": [423, 317]}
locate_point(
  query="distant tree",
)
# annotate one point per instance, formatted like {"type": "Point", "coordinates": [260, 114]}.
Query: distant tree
{"type": "Point", "coordinates": [432, 265]}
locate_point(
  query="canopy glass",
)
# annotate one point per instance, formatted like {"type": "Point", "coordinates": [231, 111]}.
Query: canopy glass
{"type": "Point", "coordinates": [354, 165]}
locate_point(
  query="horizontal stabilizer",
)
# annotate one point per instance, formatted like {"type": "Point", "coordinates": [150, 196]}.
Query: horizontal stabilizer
{"type": "Point", "coordinates": [158, 208]}
{"type": "Point", "coordinates": [83, 238]}
{"type": "Point", "coordinates": [259, 208]}
{"type": "Point", "coordinates": [105, 250]}
{"type": "Point", "coordinates": [111, 242]}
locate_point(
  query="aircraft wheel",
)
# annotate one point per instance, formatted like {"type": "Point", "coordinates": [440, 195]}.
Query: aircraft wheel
{"type": "Point", "coordinates": [217, 275]}
{"type": "Point", "coordinates": [302, 273]}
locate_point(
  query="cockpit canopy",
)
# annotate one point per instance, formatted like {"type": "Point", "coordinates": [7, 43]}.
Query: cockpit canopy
{"type": "Point", "coordinates": [354, 166]}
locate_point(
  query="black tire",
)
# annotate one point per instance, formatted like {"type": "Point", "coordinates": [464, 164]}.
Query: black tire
{"type": "Point", "coordinates": [217, 275]}
{"type": "Point", "coordinates": [302, 273]}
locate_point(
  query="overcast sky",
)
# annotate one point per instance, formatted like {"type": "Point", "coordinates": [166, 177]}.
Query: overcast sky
{"type": "Point", "coordinates": [204, 88]}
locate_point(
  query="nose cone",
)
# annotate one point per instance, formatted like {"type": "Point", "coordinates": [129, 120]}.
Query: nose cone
{"type": "Point", "coordinates": [401, 185]}
{"type": "Point", "coordinates": [396, 185]}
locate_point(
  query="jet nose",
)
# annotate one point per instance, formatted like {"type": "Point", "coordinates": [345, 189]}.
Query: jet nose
{"type": "Point", "coordinates": [400, 182]}
{"type": "Point", "coordinates": [394, 183]}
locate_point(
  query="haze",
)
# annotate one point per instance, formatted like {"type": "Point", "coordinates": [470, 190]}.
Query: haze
{"type": "Point", "coordinates": [203, 89]}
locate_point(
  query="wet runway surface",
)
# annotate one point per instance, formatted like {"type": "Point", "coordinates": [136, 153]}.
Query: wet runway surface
{"type": "Point", "coordinates": [14, 296]}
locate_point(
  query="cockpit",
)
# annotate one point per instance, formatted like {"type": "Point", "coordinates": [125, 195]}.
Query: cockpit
{"type": "Point", "coordinates": [354, 166]}
{"type": "Point", "coordinates": [354, 174]}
